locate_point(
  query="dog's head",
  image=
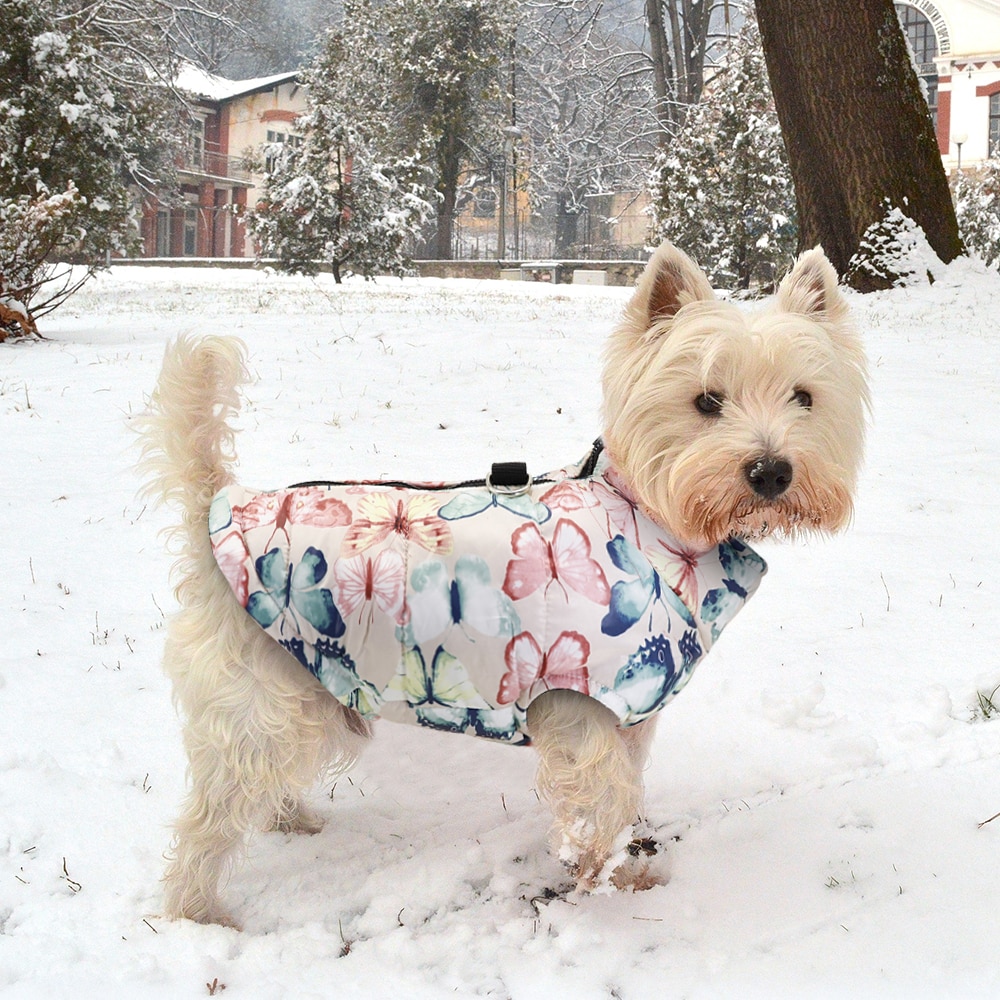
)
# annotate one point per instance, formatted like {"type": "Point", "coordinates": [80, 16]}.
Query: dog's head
{"type": "Point", "coordinates": [730, 422]}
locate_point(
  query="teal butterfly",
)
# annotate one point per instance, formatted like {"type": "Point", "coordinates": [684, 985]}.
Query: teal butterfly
{"type": "Point", "coordinates": [647, 678]}
{"type": "Point", "coordinates": [630, 598]}
{"type": "Point", "coordinates": [338, 673]}
{"type": "Point", "coordinates": [294, 590]}
{"type": "Point", "coordinates": [471, 504]}
{"type": "Point", "coordinates": [744, 570]}
{"type": "Point", "coordinates": [220, 514]}
{"type": "Point", "coordinates": [436, 602]}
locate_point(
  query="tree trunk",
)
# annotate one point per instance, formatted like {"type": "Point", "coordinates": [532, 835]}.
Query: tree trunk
{"type": "Point", "coordinates": [449, 168]}
{"type": "Point", "coordinates": [856, 126]}
{"type": "Point", "coordinates": [445, 224]}
{"type": "Point", "coordinates": [567, 226]}
{"type": "Point", "coordinates": [677, 56]}
{"type": "Point", "coordinates": [662, 69]}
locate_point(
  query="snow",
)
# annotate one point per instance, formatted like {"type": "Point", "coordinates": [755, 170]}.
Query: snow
{"type": "Point", "coordinates": [207, 85]}
{"type": "Point", "coordinates": [819, 786]}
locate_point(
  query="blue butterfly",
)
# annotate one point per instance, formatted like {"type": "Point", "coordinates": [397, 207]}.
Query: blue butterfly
{"type": "Point", "coordinates": [336, 670]}
{"type": "Point", "coordinates": [294, 590]}
{"type": "Point", "coordinates": [652, 676]}
{"type": "Point", "coordinates": [630, 598]}
{"type": "Point", "coordinates": [471, 504]}
{"type": "Point", "coordinates": [744, 570]}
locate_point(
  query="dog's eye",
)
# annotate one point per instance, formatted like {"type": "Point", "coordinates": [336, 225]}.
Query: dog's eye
{"type": "Point", "coordinates": [709, 404]}
{"type": "Point", "coordinates": [803, 398]}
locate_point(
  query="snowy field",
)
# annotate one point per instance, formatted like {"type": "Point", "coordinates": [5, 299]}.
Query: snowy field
{"type": "Point", "coordinates": [822, 785]}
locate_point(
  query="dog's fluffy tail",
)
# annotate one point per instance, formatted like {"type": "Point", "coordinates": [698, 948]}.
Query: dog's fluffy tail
{"type": "Point", "coordinates": [187, 440]}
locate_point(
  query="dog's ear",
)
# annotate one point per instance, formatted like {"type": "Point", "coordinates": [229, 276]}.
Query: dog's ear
{"type": "Point", "coordinates": [810, 288]}
{"type": "Point", "coordinates": [670, 280]}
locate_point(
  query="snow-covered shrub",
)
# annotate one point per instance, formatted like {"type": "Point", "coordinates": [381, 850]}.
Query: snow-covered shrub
{"type": "Point", "coordinates": [893, 252]}
{"type": "Point", "coordinates": [977, 207]}
{"type": "Point", "coordinates": [30, 229]}
{"type": "Point", "coordinates": [722, 190]}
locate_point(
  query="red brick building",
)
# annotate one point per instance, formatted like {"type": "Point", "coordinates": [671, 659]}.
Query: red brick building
{"type": "Point", "coordinates": [228, 120]}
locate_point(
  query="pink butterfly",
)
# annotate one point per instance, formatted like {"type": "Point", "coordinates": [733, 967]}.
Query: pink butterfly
{"type": "Point", "coordinates": [566, 560]}
{"type": "Point", "coordinates": [231, 555]}
{"type": "Point", "coordinates": [563, 666]}
{"type": "Point", "coordinates": [380, 581]}
{"type": "Point", "coordinates": [566, 496]}
{"type": "Point", "coordinates": [382, 514]}
{"type": "Point", "coordinates": [618, 505]}
{"type": "Point", "coordinates": [309, 505]}
{"type": "Point", "coordinates": [679, 572]}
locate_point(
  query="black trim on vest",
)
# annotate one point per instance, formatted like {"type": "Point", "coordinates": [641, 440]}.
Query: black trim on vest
{"type": "Point", "coordinates": [516, 469]}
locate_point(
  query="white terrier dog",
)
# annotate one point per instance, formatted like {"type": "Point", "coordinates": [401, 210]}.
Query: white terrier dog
{"type": "Point", "coordinates": [386, 599]}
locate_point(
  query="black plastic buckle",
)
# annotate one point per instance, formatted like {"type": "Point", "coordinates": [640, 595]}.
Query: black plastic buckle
{"type": "Point", "coordinates": [509, 478]}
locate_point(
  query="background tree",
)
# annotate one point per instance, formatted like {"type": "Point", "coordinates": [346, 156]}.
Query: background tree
{"type": "Point", "coordinates": [683, 42]}
{"type": "Point", "coordinates": [240, 39]}
{"type": "Point", "coordinates": [81, 122]}
{"type": "Point", "coordinates": [448, 56]}
{"type": "Point", "coordinates": [721, 189]}
{"type": "Point", "coordinates": [347, 196]}
{"type": "Point", "coordinates": [857, 129]}
{"type": "Point", "coordinates": [585, 105]}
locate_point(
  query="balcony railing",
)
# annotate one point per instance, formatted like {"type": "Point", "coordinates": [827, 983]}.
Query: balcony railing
{"type": "Point", "coordinates": [206, 163]}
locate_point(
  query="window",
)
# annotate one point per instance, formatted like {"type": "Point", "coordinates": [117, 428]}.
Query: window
{"type": "Point", "coordinates": [994, 125]}
{"type": "Point", "coordinates": [923, 41]}
{"type": "Point", "coordinates": [272, 155]}
{"type": "Point", "coordinates": [190, 232]}
{"type": "Point", "coordinates": [196, 142]}
{"type": "Point", "coordinates": [162, 233]}
{"type": "Point", "coordinates": [485, 206]}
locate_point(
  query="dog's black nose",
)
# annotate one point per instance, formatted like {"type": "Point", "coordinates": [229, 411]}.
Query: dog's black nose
{"type": "Point", "coordinates": [768, 477]}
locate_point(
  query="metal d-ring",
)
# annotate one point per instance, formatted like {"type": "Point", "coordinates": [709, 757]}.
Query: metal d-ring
{"type": "Point", "coordinates": [507, 490]}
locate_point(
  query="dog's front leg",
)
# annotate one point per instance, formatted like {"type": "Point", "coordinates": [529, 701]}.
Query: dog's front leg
{"type": "Point", "coordinates": [590, 773]}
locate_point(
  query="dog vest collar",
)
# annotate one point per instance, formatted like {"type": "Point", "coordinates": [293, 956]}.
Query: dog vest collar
{"type": "Point", "coordinates": [454, 605]}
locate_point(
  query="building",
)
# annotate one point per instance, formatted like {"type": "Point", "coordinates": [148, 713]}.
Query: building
{"type": "Point", "coordinates": [229, 122]}
{"type": "Point", "coordinates": [956, 44]}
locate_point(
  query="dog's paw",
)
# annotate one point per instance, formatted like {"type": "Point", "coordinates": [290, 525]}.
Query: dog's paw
{"type": "Point", "coordinates": [295, 817]}
{"type": "Point", "coordinates": [639, 870]}
{"type": "Point", "coordinates": [636, 865]}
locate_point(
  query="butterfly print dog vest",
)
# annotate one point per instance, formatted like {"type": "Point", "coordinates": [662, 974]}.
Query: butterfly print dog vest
{"type": "Point", "coordinates": [454, 606]}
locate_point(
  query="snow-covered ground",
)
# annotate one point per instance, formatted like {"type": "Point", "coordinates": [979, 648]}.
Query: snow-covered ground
{"type": "Point", "coordinates": [822, 784]}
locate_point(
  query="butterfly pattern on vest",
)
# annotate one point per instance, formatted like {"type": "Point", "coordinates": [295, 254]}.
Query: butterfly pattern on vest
{"type": "Point", "coordinates": [455, 607]}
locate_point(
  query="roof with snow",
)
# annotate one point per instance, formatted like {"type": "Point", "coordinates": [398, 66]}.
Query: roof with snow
{"type": "Point", "coordinates": [217, 88]}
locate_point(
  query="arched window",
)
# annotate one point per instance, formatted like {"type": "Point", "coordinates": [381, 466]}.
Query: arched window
{"type": "Point", "coordinates": [923, 41]}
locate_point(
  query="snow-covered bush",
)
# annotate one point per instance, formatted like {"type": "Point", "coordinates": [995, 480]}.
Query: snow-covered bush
{"type": "Point", "coordinates": [721, 189]}
{"type": "Point", "coordinates": [893, 252]}
{"type": "Point", "coordinates": [977, 206]}
{"type": "Point", "coordinates": [30, 230]}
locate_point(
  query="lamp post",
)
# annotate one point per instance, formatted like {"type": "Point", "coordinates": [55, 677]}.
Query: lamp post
{"type": "Point", "coordinates": [511, 135]}
{"type": "Point", "coordinates": [960, 139]}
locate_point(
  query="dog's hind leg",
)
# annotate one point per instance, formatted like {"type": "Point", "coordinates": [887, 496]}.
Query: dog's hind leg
{"type": "Point", "coordinates": [259, 730]}
{"type": "Point", "coordinates": [590, 773]}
